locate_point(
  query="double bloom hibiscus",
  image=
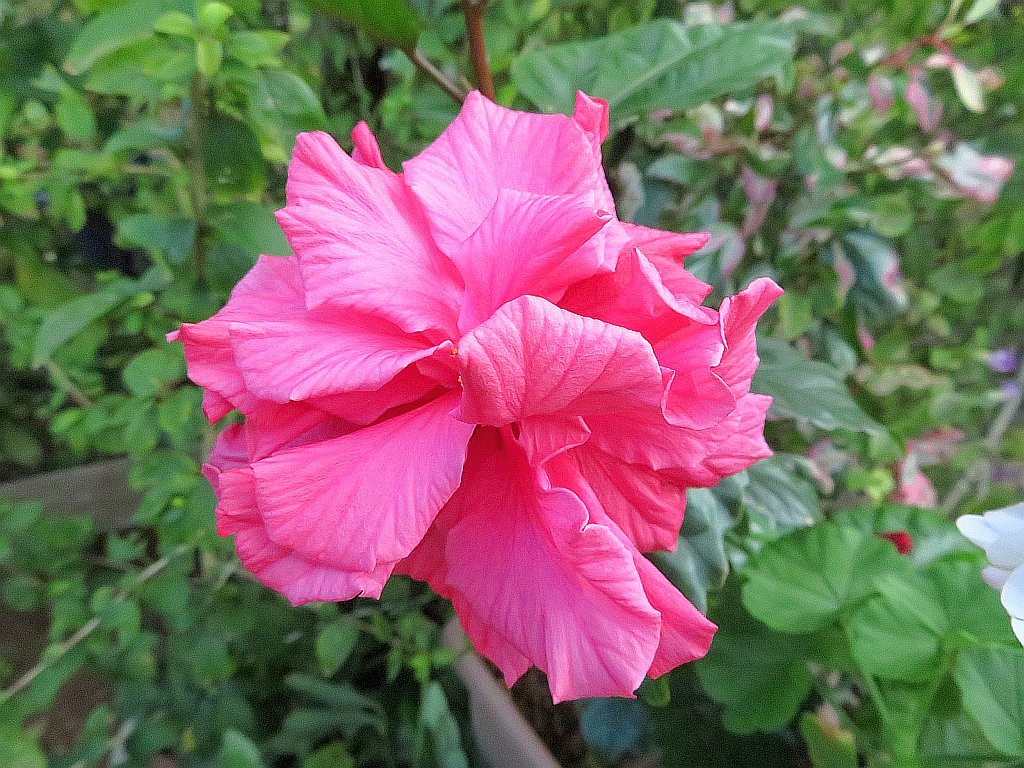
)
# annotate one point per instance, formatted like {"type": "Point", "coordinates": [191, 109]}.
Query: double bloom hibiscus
{"type": "Point", "coordinates": [474, 374]}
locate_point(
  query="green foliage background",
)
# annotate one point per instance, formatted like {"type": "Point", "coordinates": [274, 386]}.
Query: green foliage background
{"type": "Point", "coordinates": [844, 148]}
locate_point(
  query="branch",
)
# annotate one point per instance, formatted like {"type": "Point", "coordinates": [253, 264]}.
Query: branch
{"type": "Point", "coordinates": [424, 65]}
{"type": "Point", "coordinates": [474, 12]}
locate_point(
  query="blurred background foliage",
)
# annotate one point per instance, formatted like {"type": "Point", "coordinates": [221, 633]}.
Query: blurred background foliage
{"type": "Point", "coordinates": [862, 153]}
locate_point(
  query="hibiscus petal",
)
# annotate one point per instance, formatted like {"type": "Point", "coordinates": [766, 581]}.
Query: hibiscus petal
{"type": "Point", "coordinates": [686, 633]}
{"type": "Point", "coordinates": [592, 115]}
{"type": "Point", "coordinates": [366, 151]}
{"type": "Point", "coordinates": [526, 244]}
{"type": "Point", "coordinates": [368, 496]}
{"type": "Point", "coordinates": [532, 358]}
{"type": "Point", "coordinates": [302, 358]}
{"type": "Point", "coordinates": [277, 567]}
{"type": "Point", "coordinates": [739, 315]}
{"type": "Point", "coordinates": [689, 457]}
{"type": "Point", "coordinates": [581, 616]}
{"type": "Point", "coordinates": [271, 290]}
{"type": "Point", "coordinates": [488, 148]}
{"type": "Point", "coordinates": [363, 241]}
{"type": "Point", "coordinates": [645, 504]}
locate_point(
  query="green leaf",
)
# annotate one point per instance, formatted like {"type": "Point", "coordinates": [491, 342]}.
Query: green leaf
{"type": "Point", "coordinates": [760, 676]}
{"type": "Point", "coordinates": [979, 10]}
{"type": "Point", "coordinates": [808, 390]}
{"type": "Point", "coordinates": [19, 750]}
{"type": "Point", "coordinates": [154, 368]}
{"type": "Point", "coordinates": [74, 116]}
{"type": "Point", "coordinates": [209, 55]}
{"type": "Point", "coordinates": [334, 755]}
{"type": "Point", "coordinates": [64, 322]}
{"type": "Point", "coordinates": [777, 498]}
{"type": "Point", "coordinates": [238, 751]}
{"type": "Point", "coordinates": [968, 87]}
{"type": "Point", "coordinates": [658, 65]}
{"type": "Point", "coordinates": [699, 563]}
{"type": "Point", "coordinates": [251, 227]}
{"type": "Point", "coordinates": [390, 21]}
{"type": "Point", "coordinates": [231, 153]}
{"type": "Point", "coordinates": [115, 28]}
{"type": "Point", "coordinates": [335, 644]}
{"type": "Point", "coordinates": [827, 745]}
{"type": "Point", "coordinates": [436, 715]}
{"type": "Point", "coordinates": [933, 535]}
{"type": "Point", "coordinates": [991, 681]}
{"type": "Point", "coordinates": [803, 581]}
{"type": "Point", "coordinates": [169, 236]}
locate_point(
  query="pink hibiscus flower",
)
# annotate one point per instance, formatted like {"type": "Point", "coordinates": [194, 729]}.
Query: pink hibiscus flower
{"type": "Point", "coordinates": [473, 374]}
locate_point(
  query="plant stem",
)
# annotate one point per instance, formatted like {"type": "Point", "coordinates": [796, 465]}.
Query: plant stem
{"type": "Point", "coordinates": [474, 12]}
{"type": "Point", "coordinates": [195, 130]}
{"type": "Point", "coordinates": [993, 438]}
{"type": "Point", "coordinates": [64, 382]}
{"type": "Point", "coordinates": [424, 65]}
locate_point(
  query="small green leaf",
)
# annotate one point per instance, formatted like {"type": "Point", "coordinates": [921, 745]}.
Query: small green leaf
{"type": "Point", "coordinates": [115, 28]}
{"type": "Point", "coordinates": [175, 23]}
{"type": "Point", "coordinates": [239, 751]}
{"type": "Point", "coordinates": [335, 644]}
{"type": "Point", "coordinates": [828, 746]}
{"type": "Point", "coordinates": [436, 715]}
{"type": "Point", "coordinates": [234, 164]}
{"type": "Point", "coordinates": [209, 55]}
{"type": "Point", "coordinates": [979, 10]}
{"type": "Point", "coordinates": [334, 755]}
{"type": "Point", "coordinates": [212, 16]}
{"type": "Point", "coordinates": [170, 236]}
{"type": "Point", "coordinates": [968, 87]}
{"type": "Point", "coordinates": [390, 21]}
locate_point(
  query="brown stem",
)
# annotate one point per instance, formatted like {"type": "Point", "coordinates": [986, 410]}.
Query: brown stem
{"type": "Point", "coordinates": [426, 66]}
{"type": "Point", "coordinates": [474, 12]}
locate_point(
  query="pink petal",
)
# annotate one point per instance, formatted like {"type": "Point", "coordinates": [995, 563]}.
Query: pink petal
{"type": "Point", "coordinates": [645, 504]}
{"type": "Point", "coordinates": [366, 151]}
{"type": "Point", "coordinates": [363, 242]}
{"type": "Point", "coordinates": [282, 569]}
{"type": "Point", "coordinates": [592, 115]}
{"type": "Point", "coordinates": [527, 244]}
{"type": "Point", "coordinates": [685, 633]}
{"type": "Point", "coordinates": [581, 616]}
{"type": "Point", "coordinates": [692, 458]}
{"type": "Point", "coordinates": [488, 148]}
{"type": "Point", "coordinates": [532, 358]}
{"type": "Point", "coordinates": [302, 358]}
{"type": "Point", "coordinates": [661, 246]}
{"type": "Point", "coordinates": [542, 437]}
{"type": "Point", "coordinates": [366, 497]}
{"type": "Point", "coordinates": [271, 290]}
{"type": "Point", "coordinates": [740, 314]}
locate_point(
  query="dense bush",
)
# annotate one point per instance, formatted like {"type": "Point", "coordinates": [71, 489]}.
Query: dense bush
{"type": "Point", "coordinates": [860, 153]}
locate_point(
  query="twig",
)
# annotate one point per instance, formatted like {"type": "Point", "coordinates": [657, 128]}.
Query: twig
{"type": "Point", "coordinates": [993, 438]}
{"type": "Point", "coordinates": [474, 13]}
{"type": "Point", "coordinates": [64, 382]}
{"type": "Point", "coordinates": [64, 648]}
{"type": "Point", "coordinates": [424, 65]}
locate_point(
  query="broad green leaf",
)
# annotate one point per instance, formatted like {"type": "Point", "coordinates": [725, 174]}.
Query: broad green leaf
{"type": "Point", "coordinates": [759, 675]}
{"type": "Point", "coordinates": [115, 28]}
{"type": "Point", "coordinates": [658, 65]}
{"type": "Point", "coordinates": [827, 745]}
{"type": "Point", "coordinates": [19, 750]}
{"type": "Point", "coordinates": [699, 564]}
{"type": "Point", "coordinates": [390, 21]}
{"type": "Point", "coordinates": [991, 681]}
{"type": "Point", "coordinates": [808, 390]}
{"type": "Point", "coordinates": [152, 369]}
{"type": "Point", "coordinates": [777, 498]}
{"type": "Point", "coordinates": [805, 580]}
{"type": "Point", "coordinates": [933, 534]}
{"type": "Point", "coordinates": [231, 153]}
{"type": "Point", "coordinates": [251, 227]}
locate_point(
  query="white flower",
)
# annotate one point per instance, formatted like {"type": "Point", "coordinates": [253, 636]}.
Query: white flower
{"type": "Point", "coordinates": [1001, 534]}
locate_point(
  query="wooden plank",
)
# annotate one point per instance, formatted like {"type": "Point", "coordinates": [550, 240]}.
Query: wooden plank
{"type": "Point", "coordinates": [99, 490]}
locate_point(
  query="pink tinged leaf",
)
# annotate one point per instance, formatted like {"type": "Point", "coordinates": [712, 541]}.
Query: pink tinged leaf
{"type": "Point", "coordinates": [581, 616]}
{"type": "Point", "coordinates": [686, 633]}
{"type": "Point", "coordinates": [278, 567]}
{"type": "Point", "coordinates": [363, 241]}
{"type": "Point", "coordinates": [760, 194]}
{"type": "Point", "coordinates": [365, 150]}
{"type": "Point", "coordinates": [332, 353]}
{"type": "Point", "coordinates": [488, 148]}
{"type": "Point", "coordinates": [369, 496]}
{"type": "Point", "coordinates": [881, 90]}
{"type": "Point", "coordinates": [527, 243]}
{"type": "Point", "coordinates": [927, 110]}
{"type": "Point", "coordinates": [532, 358]}
{"type": "Point", "coordinates": [271, 290]}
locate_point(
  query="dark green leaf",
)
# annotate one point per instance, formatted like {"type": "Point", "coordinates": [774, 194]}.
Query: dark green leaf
{"type": "Point", "coordinates": [389, 21]}
{"type": "Point", "coordinates": [238, 751]}
{"type": "Point", "coordinates": [777, 498]}
{"type": "Point", "coordinates": [335, 644]}
{"type": "Point", "coordinates": [658, 65]}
